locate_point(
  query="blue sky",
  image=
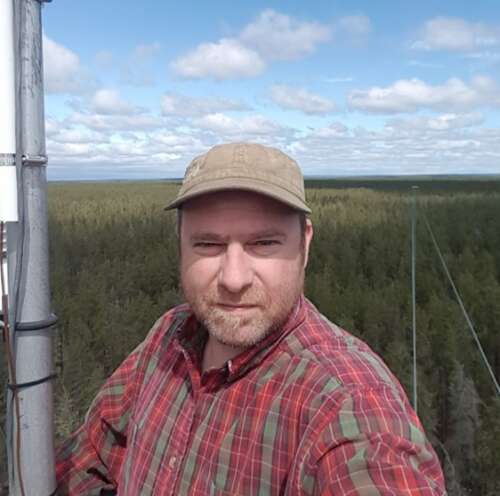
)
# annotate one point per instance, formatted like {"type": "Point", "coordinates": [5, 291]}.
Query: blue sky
{"type": "Point", "coordinates": [137, 89]}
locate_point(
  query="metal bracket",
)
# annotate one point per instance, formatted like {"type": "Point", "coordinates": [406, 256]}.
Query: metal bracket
{"type": "Point", "coordinates": [34, 160]}
{"type": "Point", "coordinates": [38, 325]}
{"type": "Point", "coordinates": [15, 387]}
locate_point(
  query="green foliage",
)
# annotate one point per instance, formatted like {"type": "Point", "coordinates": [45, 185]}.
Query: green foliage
{"type": "Point", "coordinates": [464, 423]}
{"type": "Point", "coordinates": [114, 272]}
{"type": "Point", "coordinates": [488, 447]}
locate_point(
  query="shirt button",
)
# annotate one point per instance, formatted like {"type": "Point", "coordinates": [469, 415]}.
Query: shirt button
{"type": "Point", "coordinates": [172, 462]}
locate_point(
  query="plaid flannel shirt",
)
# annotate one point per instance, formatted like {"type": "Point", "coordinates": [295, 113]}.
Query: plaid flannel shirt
{"type": "Point", "coordinates": [310, 410]}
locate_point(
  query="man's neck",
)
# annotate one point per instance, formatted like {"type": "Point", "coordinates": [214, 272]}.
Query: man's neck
{"type": "Point", "coordinates": [217, 354]}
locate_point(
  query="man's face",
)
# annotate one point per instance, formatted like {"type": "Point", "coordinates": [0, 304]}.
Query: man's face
{"type": "Point", "coordinates": [242, 264]}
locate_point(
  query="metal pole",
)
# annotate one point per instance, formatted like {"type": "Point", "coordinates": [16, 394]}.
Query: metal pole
{"type": "Point", "coordinates": [413, 293]}
{"type": "Point", "coordinates": [32, 336]}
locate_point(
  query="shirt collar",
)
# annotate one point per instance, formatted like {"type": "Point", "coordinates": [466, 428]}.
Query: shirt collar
{"type": "Point", "coordinates": [192, 336]}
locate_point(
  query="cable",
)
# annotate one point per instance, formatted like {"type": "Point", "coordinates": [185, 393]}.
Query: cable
{"type": "Point", "coordinates": [21, 231]}
{"type": "Point", "coordinates": [10, 363]}
{"type": "Point", "coordinates": [22, 385]}
{"type": "Point", "coordinates": [466, 315]}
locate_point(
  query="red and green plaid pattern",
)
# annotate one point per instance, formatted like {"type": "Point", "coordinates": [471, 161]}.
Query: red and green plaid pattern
{"type": "Point", "coordinates": [309, 411]}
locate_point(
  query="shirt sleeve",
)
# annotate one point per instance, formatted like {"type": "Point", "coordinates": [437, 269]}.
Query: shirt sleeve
{"type": "Point", "coordinates": [373, 445]}
{"type": "Point", "coordinates": [89, 461]}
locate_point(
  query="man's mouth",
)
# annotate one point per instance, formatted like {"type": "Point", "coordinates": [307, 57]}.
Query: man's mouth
{"type": "Point", "coordinates": [231, 307]}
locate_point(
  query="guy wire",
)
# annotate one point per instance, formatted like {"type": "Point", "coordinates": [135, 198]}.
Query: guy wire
{"type": "Point", "coordinates": [462, 307]}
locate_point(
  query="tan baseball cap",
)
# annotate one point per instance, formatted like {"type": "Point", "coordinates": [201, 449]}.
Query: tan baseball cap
{"type": "Point", "coordinates": [244, 166]}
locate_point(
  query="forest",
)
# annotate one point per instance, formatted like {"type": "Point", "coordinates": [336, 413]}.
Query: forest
{"type": "Point", "coordinates": [113, 253]}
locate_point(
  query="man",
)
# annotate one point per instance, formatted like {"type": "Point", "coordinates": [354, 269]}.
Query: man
{"type": "Point", "coordinates": [247, 389]}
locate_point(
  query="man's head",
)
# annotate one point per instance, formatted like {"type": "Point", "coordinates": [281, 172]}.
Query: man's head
{"type": "Point", "coordinates": [243, 244]}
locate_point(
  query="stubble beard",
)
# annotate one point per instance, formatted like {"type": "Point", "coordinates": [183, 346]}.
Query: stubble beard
{"type": "Point", "coordinates": [247, 329]}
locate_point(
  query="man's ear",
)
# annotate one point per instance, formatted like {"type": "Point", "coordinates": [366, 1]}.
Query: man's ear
{"type": "Point", "coordinates": [308, 235]}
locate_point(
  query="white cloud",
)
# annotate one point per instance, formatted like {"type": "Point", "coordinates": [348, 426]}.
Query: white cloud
{"type": "Point", "coordinates": [164, 157]}
{"type": "Point", "coordinates": [110, 131]}
{"type": "Point", "coordinates": [339, 79]}
{"type": "Point", "coordinates": [115, 123]}
{"type": "Point", "coordinates": [421, 63]}
{"type": "Point", "coordinates": [455, 34]}
{"type": "Point", "coordinates": [447, 144]}
{"type": "Point", "coordinates": [120, 150]}
{"type": "Point", "coordinates": [109, 102]}
{"type": "Point", "coordinates": [145, 51]}
{"type": "Point", "coordinates": [280, 37]}
{"type": "Point", "coordinates": [226, 59]}
{"type": "Point", "coordinates": [301, 99]}
{"type": "Point", "coordinates": [139, 151]}
{"type": "Point", "coordinates": [70, 151]}
{"type": "Point", "coordinates": [484, 56]}
{"type": "Point", "coordinates": [104, 58]}
{"type": "Point", "coordinates": [62, 70]}
{"type": "Point", "coordinates": [52, 126]}
{"type": "Point", "coordinates": [442, 122]}
{"type": "Point", "coordinates": [122, 146]}
{"type": "Point", "coordinates": [136, 75]}
{"type": "Point", "coordinates": [272, 36]}
{"type": "Point", "coordinates": [245, 126]}
{"type": "Point", "coordinates": [174, 141]}
{"type": "Point", "coordinates": [162, 141]}
{"type": "Point", "coordinates": [410, 95]}
{"type": "Point", "coordinates": [334, 130]}
{"type": "Point", "coordinates": [138, 69]}
{"type": "Point", "coordinates": [355, 25]}
{"type": "Point", "coordinates": [454, 121]}
{"type": "Point", "coordinates": [77, 136]}
{"type": "Point", "coordinates": [186, 106]}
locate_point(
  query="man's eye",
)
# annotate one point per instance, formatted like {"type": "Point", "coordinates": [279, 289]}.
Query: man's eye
{"type": "Point", "coordinates": [265, 247]}
{"type": "Point", "coordinates": [208, 248]}
{"type": "Point", "coordinates": [266, 242]}
{"type": "Point", "coordinates": [206, 244]}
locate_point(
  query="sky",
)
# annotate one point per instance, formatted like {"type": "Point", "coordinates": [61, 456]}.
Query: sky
{"type": "Point", "coordinates": [135, 90]}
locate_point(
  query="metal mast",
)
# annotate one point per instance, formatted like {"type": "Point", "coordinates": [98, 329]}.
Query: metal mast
{"type": "Point", "coordinates": [413, 293]}
{"type": "Point", "coordinates": [31, 453]}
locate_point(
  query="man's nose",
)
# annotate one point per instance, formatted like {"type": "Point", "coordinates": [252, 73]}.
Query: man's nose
{"type": "Point", "coordinates": [236, 272]}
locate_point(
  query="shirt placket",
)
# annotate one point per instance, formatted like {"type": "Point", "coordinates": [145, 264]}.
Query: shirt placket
{"type": "Point", "coordinates": [173, 461]}
{"type": "Point", "coordinates": [189, 473]}
{"type": "Point", "coordinates": [170, 472]}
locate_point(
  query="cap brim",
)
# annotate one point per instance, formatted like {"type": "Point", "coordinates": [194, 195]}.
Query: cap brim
{"type": "Point", "coordinates": [245, 184]}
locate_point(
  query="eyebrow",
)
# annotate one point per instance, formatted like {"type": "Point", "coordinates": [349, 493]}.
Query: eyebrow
{"type": "Point", "coordinates": [211, 236]}
{"type": "Point", "coordinates": [206, 236]}
{"type": "Point", "coordinates": [268, 233]}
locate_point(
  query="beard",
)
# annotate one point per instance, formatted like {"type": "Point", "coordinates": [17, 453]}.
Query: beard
{"type": "Point", "coordinates": [268, 311]}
